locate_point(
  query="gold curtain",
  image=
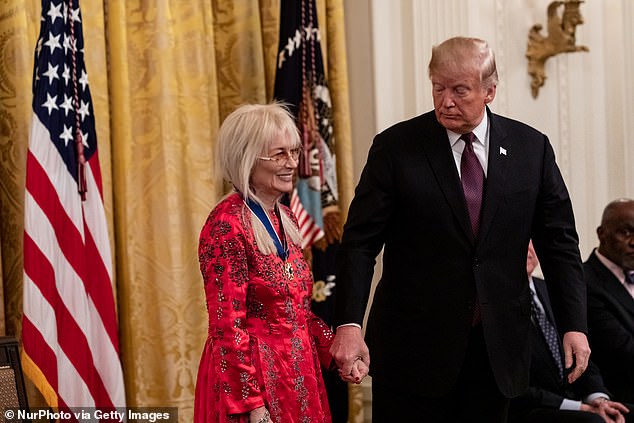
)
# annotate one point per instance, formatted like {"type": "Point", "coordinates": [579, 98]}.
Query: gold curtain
{"type": "Point", "coordinates": [163, 75]}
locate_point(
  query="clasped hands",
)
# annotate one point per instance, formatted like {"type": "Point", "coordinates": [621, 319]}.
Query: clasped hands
{"type": "Point", "coordinates": [350, 354]}
{"type": "Point", "coordinates": [611, 411]}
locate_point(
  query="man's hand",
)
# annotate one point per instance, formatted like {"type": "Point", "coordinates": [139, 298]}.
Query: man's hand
{"type": "Point", "coordinates": [348, 348]}
{"type": "Point", "coordinates": [576, 344]}
{"type": "Point", "coordinates": [611, 411]}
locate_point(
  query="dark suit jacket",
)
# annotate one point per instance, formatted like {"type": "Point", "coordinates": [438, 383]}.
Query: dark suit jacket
{"type": "Point", "coordinates": [409, 201]}
{"type": "Point", "coordinates": [611, 328]}
{"type": "Point", "coordinates": [546, 390]}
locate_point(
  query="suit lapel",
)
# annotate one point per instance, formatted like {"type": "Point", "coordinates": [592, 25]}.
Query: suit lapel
{"type": "Point", "coordinates": [441, 160]}
{"type": "Point", "coordinates": [612, 285]}
{"type": "Point", "coordinates": [496, 174]}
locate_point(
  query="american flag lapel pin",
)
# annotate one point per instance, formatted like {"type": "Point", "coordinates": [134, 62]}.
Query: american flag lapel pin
{"type": "Point", "coordinates": [502, 151]}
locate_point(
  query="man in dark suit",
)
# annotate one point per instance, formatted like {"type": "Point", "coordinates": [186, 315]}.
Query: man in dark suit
{"type": "Point", "coordinates": [550, 398]}
{"type": "Point", "coordinates": [449, 323]}
{"type": "Point", "coordinates": [609, 277]}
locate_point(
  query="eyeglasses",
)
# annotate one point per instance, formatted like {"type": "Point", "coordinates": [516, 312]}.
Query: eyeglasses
{"type": "Point", "coordinates": [284, 156]}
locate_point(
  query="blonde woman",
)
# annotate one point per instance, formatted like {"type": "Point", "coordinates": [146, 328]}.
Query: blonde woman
{"type": "Point", "coordinates": [261, 361]}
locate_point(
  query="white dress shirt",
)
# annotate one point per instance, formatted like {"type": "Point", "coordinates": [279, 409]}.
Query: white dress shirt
{"type": "Point", "coordinates": [480, 144]}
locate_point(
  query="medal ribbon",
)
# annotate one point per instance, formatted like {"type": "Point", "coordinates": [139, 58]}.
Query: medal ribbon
{"type": "Point", "coordinates": [280, 245]}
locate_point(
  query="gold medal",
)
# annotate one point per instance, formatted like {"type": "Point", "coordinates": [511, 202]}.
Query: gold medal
{"type": "Point", "coordinates": [288, 270]}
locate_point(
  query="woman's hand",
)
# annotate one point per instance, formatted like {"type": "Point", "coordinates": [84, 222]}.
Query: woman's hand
{"type": "Point", "coordinates": [357, 374]}
{"type": "Point", "coordinates": [260, 415]}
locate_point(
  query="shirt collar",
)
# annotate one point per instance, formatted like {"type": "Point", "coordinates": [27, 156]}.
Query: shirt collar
{"type": "Point", "coordinates": [612, 267]}
{"type": "Point", "coordinates": [479, 131]}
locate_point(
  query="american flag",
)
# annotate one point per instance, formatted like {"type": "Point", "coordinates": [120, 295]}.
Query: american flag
{"type": "Point", "coordinates": [307, 228]}
{"type": "Point", "coordinates": [300, 82]}
{"type": "Point", "coordinates": [69, 327]}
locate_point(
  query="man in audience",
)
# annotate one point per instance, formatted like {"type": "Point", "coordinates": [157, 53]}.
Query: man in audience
{"type": "Point", "coordinates": [609, 274]}
{"type": "Point", "coordinates": [550, 398]}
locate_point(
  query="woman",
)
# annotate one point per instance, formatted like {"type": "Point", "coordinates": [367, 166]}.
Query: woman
{"type": "Point", "coordinates": [261, 361]}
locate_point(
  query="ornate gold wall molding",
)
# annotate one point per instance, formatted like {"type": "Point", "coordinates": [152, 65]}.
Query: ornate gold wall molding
{"type": "Point", "coordinates": [560, 39]}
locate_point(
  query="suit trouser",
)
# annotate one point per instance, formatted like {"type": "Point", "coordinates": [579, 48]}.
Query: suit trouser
{"type": "Point", "coordinates": [474, 398]}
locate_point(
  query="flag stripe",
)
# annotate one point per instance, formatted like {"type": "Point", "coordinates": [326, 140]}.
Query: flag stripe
{"type": "Point", "coordinates": [71, 244]}
{"type": "Point", "coordinates": [67, 379]}
{"type": "Point", "coordinates": [66, 232]}
{"type": "Point", "coordinates": [101, 292]}
{"type": "Point", "coordinates": [74, 343]}
{"type": "Point", "coordinates": [95, 217]}
{"type": "Point", "coordinates": [41, 353]}
{"type": "Point", "coordinates": [97, 178]}
{"type": "Point", "coordinates": [57, 174]}
{"type": "Point", "coordinates": [309, 230]}
{"type": "Point", "coordinates": [73, 247]}
{"type": "Point", "coordinates": [68, 282]}
{"type": "Point", "coordinates": [71, 296]}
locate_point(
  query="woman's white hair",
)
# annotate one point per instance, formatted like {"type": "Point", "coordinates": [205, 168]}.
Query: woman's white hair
{"type": "Point", "coordinates": [246, 134]}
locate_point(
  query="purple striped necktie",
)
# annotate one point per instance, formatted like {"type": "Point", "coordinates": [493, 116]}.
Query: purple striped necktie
{"type": "Point", "coordinates": [472, 177]}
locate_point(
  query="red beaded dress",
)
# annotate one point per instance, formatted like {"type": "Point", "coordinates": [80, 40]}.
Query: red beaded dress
{"type": "Point", "coordinates": [264, 345]}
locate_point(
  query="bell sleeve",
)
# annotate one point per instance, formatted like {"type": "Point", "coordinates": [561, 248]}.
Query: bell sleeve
{"type": "Point", "coordinates": [323, 337]}
{"type": "Point", "coordinates": [223, 261]}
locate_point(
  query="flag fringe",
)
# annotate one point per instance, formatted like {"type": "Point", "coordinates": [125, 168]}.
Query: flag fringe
{"type": "Point", "coordinates": [33, 372]}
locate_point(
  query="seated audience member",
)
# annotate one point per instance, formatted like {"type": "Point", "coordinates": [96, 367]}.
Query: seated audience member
{"type": "Point", "coordinates": [609, 274]}
{"type": "Point", "coordinates": [550, 398]}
